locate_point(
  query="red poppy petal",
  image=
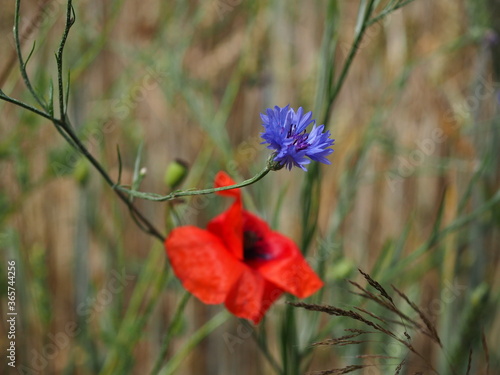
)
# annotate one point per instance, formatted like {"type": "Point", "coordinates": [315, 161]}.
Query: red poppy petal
{"type": "Point", "coordinates": [228, 226]}
{"type": "Point", "coordinates": [288, 270]}
{"type": "Point", "coordinates": [222, 179]}
{"type": "Point", "coordinates": [271, 293]}
{"type": "Point", "coordinates": [202, 263]}
{"type": "Point", "coordinates": [255, 224]}
{"type": "Point", "coordinates": [251, 296]}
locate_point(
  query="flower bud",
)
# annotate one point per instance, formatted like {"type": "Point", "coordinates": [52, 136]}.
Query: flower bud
{"type": "Point", "coordinates": [81, 171]}
{"type": "Point", "coordinates": [175, 173]}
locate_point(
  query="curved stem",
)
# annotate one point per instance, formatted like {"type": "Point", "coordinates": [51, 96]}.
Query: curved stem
{"type": "Point", "coordinates": [58, 124]}
{"type": "Point", "coordinates": [20, 58]}
{"type": "Point", "coordinates": [177, 194]}
{"type": "Point", "coordinates": [30, 108]}
{"type": "Point", "coordinates": [148, 227]}
{"type": "Point", "coordinates": [62, 124]}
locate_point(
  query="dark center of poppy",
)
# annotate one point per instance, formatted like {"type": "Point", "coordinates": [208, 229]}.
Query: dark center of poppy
{"type": "Point", "coordinates": [254, 247]}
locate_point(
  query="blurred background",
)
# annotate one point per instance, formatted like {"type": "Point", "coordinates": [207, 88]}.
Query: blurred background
{"type": "Point", "coordinates": [412, 195]}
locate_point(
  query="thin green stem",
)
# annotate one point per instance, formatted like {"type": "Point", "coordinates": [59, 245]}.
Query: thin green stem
{"type": "Point", "coordinates": [174, 363]}
{"type": "Point", "coordinates": [352, 53]}
{"type": "Point", "coordinates": [261, 341]}
{"type": "Point", "coordinates": [70, 20]}
{"type": "Point", "coordinates": [22, 63]}
{"type": "Point", "coordinates": [63, 125]}
{"type": "Point", "coordinates": [148, 227]}
{"type": "Point", "coordinates": [386, 12]}
{"type": "Point", "coordinates": [66, 125]}
{"type": "Point", "coordinates": [177, 194]}
{"type": "Point", "coordinates": [30, 108]}
{"type": "Point", "coordinates": [168, 336]}
{"type": "Point", "coordinates": [38, 112]}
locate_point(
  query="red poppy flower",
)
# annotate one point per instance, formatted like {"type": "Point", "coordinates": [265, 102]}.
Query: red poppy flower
{"type": "Point", "coordinates": [239, 260]}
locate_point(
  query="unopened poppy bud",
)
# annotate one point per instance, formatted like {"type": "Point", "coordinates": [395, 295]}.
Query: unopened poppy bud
{"type": "Point", "coordinates": [342, 269]}
{"type": "Point", "coordinates": [81, 171]}
{"type": "Point", "coordinates": [175, 173]}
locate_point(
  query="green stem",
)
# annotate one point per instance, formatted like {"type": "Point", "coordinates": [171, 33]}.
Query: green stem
{"type": "Point", "coordinates": [168, 336]}
{"type": "Point", "coordinates": [388, 11]}
{"type": "Point", "coordinates": [62, 124]}
{"type": "Point", "coordinates": [70, 20]}
{"type": "Point", "coordinates": [148, 227]}
{"type": "Point", "coordinates": [261, 341]}
{"type": "Point", "coordinates": [30, 108]}
{"type": "Point", "coordinates": [174, 363]}
{"type": "Point", "coordinates": [20, 58]}
{"type": "Point", "coordinates": [177, 194]}
{"type": "Point", "coordinates": [350, 58]}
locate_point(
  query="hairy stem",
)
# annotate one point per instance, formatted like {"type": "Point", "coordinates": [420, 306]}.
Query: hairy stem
{"type": "Point", "coordinates": [63, 124]}
{"type": "Point", "coordinates": [177, 194]}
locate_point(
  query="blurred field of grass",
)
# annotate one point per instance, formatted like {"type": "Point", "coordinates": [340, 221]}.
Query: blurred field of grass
{"type": "Point", "coordinates": [412, 195]}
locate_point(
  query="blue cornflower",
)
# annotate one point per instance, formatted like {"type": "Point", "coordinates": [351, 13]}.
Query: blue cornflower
{"type": "Point", "coordinates": [285, 133]}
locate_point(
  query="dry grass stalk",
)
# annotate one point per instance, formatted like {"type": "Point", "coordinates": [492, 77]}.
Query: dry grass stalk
{"type": "Point", "coordinates": [431, 328]}
{"type": "Point", "coordinates": [469, 363]}
{"type": "Point", "coordinates": [339, 371]}
{"type": "Point", "coordinates": [389, 305]}
{"type": "Point", "coordinates": [344, 340]}
{"type": "Point", "coordinates": [486, 353]}
{"type": "Point", "coordinates": [332, 310]}
{"type": "Point", "coordinates": [377, 286]}
{"type": "Point", "coordinates": [400, 366]}
{"type": "Point", "coordinates": [380, 324]}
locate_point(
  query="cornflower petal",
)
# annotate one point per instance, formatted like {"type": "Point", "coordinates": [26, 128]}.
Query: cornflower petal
{"type": "Point", "coordinates": [285, 132]}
